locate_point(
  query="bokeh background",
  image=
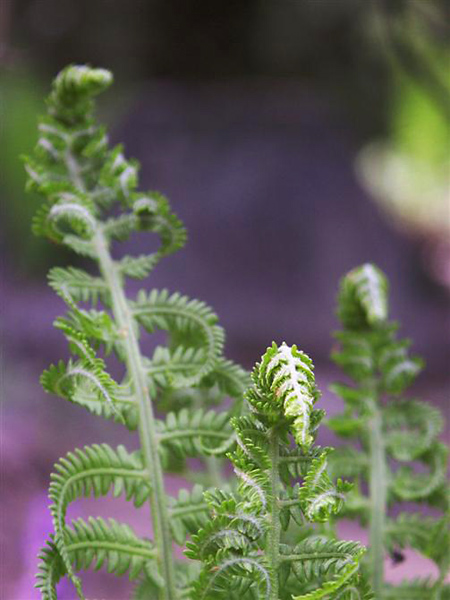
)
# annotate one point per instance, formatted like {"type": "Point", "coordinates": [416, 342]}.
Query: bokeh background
{"type": "Point", "coordinates": [295, 138]}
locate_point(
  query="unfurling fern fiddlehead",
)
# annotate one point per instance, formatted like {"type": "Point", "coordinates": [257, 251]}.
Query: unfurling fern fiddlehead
{"type": "Point", "coordinates": [392, 431]}
{"type": "Point", "coordinates": [92, 202]}
{"type": "Point", "coordinates": [245, 548]}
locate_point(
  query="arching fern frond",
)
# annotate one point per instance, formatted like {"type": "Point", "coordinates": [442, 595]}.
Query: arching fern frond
{"type": "Point", "coordinates": [64, 380]}
{"type": "Point", "coordinates": [411, 428]}
{"type": "Point", "coordinates": [409, 485]}
{"type": "Point", "coordinates": [95, 470]}
{"type": "Point", "coordinates": [78, 285]}
{"type": "Point", "coordinates": [318, 496]}
{"type": "Point", "coordinates": [97, 544]}
{"type": "Point", "coordinates": [195, 433]}
{"type": "Point", "coordinates": [186, 320]}
{"type": "Point", "coordinates": [339, 567]}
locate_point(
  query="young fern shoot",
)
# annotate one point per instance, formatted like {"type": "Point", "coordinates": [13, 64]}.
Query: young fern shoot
{"type": "Point", "coordinates": [91, 203]}
{"type": "Point", "coordinates": [246, 549]}
{"type": "Point", "coordinates": [393, 433]}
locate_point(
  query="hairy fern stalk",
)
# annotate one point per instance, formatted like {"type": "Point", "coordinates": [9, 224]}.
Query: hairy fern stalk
{"type": "Point", "coordinates": [393, 433]}
{"type": "Point", "coordinates": [259, 543]}
{"type": "Point", "coordinates": [91, 203]}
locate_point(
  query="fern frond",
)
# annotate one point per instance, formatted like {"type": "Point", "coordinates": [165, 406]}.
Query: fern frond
{"type": "Point", "coordinates": [124, 401]}
{"type": "Point", "coordinates": [137, 267]}
{"type": "Point", "coordinates": [319, 498]}
{"type": "Point", "coordinates": [334, 563]}
{"type": "Point", "coordinates": [153, 214]}
{"type": "Point", "coordinates": [183, 318]}
{"type": "Point", "coordinates": [286, 375]}
{"type": "Point", "coordinates": [231, 379]}
{"type": "Point", "coordinates": [294, 463]}
{"type": "Point", "coordinates": [240, 546]}
{"type": "Point", "coordinates": [78, 285]}
{"type": "Point", "coordinates": [363, 298]}
{"type": "Point", "coordinates": [64, 379]}
{"type": "Point", "coordinates": [411, 427]}
{"type": "Point", "coordinates": [115, 545]}
{"type": "Point", "coordinates": [235, 577]}
{"type": "Point", "coordinates": [51, 571]}
{"type": "Point", "coordinates": [195, 433]}
{"type": "Point", "coordinates": [348, 462]}
{"type": "Point", "coordinates": [94, 470]}
{"type": "Point", "coordinates": [188, 513]}
{"type": "Point", "coordinates": [96, 543]}
{"type": "Point", "coordinates": [73, 89]}
{"type": "Point", "coordinates": [83, 180]}
{"type": "Point", "coordinates": [411, 486]}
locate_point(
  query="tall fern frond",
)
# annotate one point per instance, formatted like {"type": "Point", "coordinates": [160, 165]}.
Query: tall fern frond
{"type": "Point", "coordinates": [91, 202]}
{"type": "Point", "coordinates": [393, 432]}
{"type": "Point", "coordinates": [95, 544]}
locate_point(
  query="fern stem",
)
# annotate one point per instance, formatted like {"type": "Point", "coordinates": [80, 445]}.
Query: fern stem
{"type": "Point", "coordinates": [147, 427]}
{"type": "Point", "coordinates": [136, 370]}
{"type": "Point", "coordinates": [274, 529]}
{"type": "Point", "coordinates": [377, 486]}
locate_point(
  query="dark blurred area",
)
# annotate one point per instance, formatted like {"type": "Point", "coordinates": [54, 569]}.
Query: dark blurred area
{"type": "Point", "coordinates": [295, 138]}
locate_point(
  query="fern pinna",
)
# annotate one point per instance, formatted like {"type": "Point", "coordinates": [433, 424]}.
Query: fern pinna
{"type": "Point", "coordinates": [91, 203]}
{"type": "Point", "coordinates": [247, 549]}
{"type": "Point", "coordinates": [393, 432]}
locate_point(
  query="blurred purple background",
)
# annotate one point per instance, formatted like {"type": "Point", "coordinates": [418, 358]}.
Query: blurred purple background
{"type": "Point", "coordinates": [250, 118]}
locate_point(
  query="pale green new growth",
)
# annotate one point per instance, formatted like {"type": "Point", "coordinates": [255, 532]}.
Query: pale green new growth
{"type": "Point", "coordinates": [258, 543]}
{"type": "Point", "coordinates": [393, 432]}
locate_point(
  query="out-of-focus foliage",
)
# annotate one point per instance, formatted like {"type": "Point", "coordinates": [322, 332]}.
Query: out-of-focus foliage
{"type": "Point", "coordinates": [409, 171]}
{"type": "Point", "coordinates": [409, 174]}
{"type": "Point", "coordinates": [20, 103]}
